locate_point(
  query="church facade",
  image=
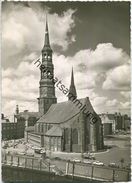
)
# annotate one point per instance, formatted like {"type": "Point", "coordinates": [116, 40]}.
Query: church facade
{"type": "Point", "coordinates": [63, 126]}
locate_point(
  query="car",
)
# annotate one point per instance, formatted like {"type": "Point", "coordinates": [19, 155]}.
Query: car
{"type": "Point", "coordinates": [98, 163]}
{"type": "Point", "coordinates": [21, 153]}
{"type": "Point", "coordinates": [57, 158]}
{"type": "Point", "coordinates": [86, 161]}
{"type": "Point", "coordinates": [88, 156]}
{"type": "Point", "coordinates": [113, 165]}
{"type": "Point", "coordinates": [30, 154]}
{"type": "Point", "coordinates": [76, 160]}
{"type": "Point", "coordinates": [42, 152]}
{"type": "Point", "coordinates": [38, 150]}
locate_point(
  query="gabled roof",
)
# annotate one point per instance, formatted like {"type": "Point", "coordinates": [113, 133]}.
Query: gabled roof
{"type": "Point", "coordinates": [55, 131]}
{"type": "Point", "coordinates": [65, 111]}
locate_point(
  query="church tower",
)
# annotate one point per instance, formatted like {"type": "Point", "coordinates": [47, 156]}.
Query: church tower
{"type": "Point", "coordinates": [72, 89]}
{"type": "Point", "coordinates": [46, 88]}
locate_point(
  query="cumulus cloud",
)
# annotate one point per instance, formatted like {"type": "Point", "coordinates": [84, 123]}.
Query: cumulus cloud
{"type": "Point", "coordinates": [24, 79]}
{"type": "Point", "coordinates": [125, 105]}
{"type": "Point", "coordinates": [106, 57]}
{"type": "Point", "coordinates": [118, 78]}
{"type": "Point", "coordinates": [99, 101]}
{"type": "Point", "coordinates": [23, 31]}
{"type": "Point", "coordinates": [23, 36]}
{"type": "Point", "coordinates": [126, 94]}
{"type": "Point", "coordinates": [112, 103]}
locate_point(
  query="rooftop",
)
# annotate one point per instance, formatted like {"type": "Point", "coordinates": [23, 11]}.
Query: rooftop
{"type": "Point", "coordinates": [65, 111]}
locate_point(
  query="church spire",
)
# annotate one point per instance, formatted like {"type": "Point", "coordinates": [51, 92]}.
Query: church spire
{"type": "Point", "coordinates": [72, 89]}
{"type": "Point", "coordinates": [46, 41]}
{"type": "Point", "coordinates": [47, 89]}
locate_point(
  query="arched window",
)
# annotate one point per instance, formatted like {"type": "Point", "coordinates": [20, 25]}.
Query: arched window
{"type": "Point", "coordinates": [67, 136]}
{"type": "Point", "coordinates": [39, 127]}
{"type": "Point", "coordinates": [45, 55]}
{"type": "Point", "coordinates": [74, 136]}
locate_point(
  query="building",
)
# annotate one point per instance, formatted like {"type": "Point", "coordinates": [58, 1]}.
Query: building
{"type": "Point", "coordinates": [66, 126]}
{"type": "Point", "coordinates": [122, 121]}
{"type": "Point", "coordinates": [9, 129]}
{"type": "Point", "coordinates": [108, 122]}
{"type": "Point", "coordinates": [25, 119]}
{"type": "Point", "coordinates": [15, 130]}
{"type": "Point", "coordinates": [114, 122]}
{"type": "Point", "coordinates": [126, 122]}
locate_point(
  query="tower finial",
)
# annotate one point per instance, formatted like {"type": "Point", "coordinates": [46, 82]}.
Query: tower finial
{"type": "Point", "coordinates": [46, 29]}
{"type": "Point", "coordinates": [72, 91]}
{"type": "Point", "coordinates": [46, 42]}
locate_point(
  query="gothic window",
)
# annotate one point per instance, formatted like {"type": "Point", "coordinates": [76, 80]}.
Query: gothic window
{"type": "Point", "coordinates": [49, 126]}
{"type": "Point", "coordinates": [41, 127]}
{"type": "Point", "coordinates": [67, 135]}
{"type": "Point", "coordinates": [42, 75]}
{"type": "Point", "coordinates": [45, 55]}
{"type": "Point", "coordinates": [38, 127]}
{"type": "Point", "coordinates": [74, 136]}
{"type": "Point", "coordinates": [49, 57]}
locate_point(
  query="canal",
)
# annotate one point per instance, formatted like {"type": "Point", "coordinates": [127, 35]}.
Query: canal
{"type": "Point", "coordinates": [15, 174]}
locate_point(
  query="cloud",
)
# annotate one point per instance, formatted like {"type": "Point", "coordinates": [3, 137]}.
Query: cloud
{"type": "Point", "coordinates": [106, 57]}
{"type": "Point", "coordinates": [126, 94]}
{"type": "Point", "coordinates": [118, 78]}
{"type": "Point", "coordinates": [23, 31]}
{"type": "Point", "coordinates": [112, 103]}
{"type": "Point", "coordinates": [99, 101]}
{"type": "Point", "coordinates": [125, 105]}
{"type": "Point", "coordinates": [10, 106]}
{"type": "Point", "coordinates": [23, 80]}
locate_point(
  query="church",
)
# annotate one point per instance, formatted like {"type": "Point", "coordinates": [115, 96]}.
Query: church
{"type": "Point", "coordinates": [63, 126]}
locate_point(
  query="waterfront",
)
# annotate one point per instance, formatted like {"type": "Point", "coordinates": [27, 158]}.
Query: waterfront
{"type": "Point", "coordinates": [11, 174]}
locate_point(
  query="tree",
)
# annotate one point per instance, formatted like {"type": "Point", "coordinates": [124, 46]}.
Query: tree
{"type": "Point", "coordinates": [122, 160]}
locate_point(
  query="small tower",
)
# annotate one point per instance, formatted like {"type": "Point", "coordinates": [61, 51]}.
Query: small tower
{"type": "Point", "coordinates": [72, 89]}
{"type": "Point", "coordinates": [46, 89]}
{"type": "Point", "coordinates": [17, 109]}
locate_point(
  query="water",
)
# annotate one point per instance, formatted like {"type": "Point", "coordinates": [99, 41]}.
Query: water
{"type": "Point", "coordinates": [14, 174]}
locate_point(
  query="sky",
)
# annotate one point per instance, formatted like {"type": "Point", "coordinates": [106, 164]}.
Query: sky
{"type": "Point", "coordinates": [93, 37]}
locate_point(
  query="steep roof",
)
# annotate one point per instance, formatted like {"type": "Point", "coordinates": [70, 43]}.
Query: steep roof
{"type": "Point", "coordinates": [65, 111]}
{"type": "Point", "coordinates": [55, 131]}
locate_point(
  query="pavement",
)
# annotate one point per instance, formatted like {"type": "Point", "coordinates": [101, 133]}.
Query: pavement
{"type": "Point", "coordinates": [120, 148]}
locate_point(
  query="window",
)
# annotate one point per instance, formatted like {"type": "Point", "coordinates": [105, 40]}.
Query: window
{"type": "Point", "coordinates": [74, 136]}
{"type": "Point", "coordinates": [42, 127]}
{"type": "Point", "coordinates": [45, 56]}
{"type": "Point", "coordinates": [67, 135]}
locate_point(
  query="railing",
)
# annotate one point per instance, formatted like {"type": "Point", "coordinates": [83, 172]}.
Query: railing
{"type": "Point", "coordinates": [30, 163]}
{"type": "Point", "coordinates": [74, 169]}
